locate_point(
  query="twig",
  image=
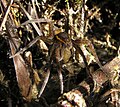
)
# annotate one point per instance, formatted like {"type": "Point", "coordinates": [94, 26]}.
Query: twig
{"type": "Point", "coordinates": [5, 16]}
{"type": "Point", "coordinates": [82, 27]}
{"type": "Point", "coordinates": [29, 17]}
{"type": "Point", "coordinates": [26, 47]}
{"type": "Point", "coordinates": [41, 20]}
{"type": "Point", "coordinates": [33, 3]}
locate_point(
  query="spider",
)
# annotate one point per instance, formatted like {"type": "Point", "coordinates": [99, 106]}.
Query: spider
{"type": "Point", "coordinates": [61, 51]}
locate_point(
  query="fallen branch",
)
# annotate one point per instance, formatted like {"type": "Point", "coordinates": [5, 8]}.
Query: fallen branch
{"type": "Point", "coordinates": [90, 85]}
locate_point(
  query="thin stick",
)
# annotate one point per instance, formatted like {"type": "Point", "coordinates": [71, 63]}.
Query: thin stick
{"type": "Point", "coordinates": [6, 14]}
{"type": "Point", "coordinates": [41, 20]}
{"type": "Point", "coordinates": [33, 3]}
{"type": "Point", "coordinates": [30, 18]}
{"type": "Point", "coordinates": [26, 47]}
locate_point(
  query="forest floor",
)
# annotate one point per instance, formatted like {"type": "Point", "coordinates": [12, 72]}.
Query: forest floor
{"type": "Point", "coordinates": [69, 37]}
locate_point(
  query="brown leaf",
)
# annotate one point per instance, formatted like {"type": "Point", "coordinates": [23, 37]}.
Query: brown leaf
{"type": "Point", "coordinates": [21, 68]}
{"type": "Point", "coordinates": [22, 74]}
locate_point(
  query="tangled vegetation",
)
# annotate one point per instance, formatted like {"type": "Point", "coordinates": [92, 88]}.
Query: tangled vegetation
{"type": "Point", "coordinates": [59, 53]}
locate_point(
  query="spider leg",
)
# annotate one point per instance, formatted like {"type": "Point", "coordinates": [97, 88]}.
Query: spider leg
{"type": "Point", "coordinates": [61, 80]}
{"type": "Point", "coordinates": [44, 83]}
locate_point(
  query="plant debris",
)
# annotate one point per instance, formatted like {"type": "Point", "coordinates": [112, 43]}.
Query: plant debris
{"type": "Point", "coordinates": [61, 53]}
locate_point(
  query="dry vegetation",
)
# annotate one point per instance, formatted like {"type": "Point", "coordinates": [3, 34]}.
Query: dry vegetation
{"type": "Point", "coordinates": [59, 53]}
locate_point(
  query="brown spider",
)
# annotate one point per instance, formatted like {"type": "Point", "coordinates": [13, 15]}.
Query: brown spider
{"type": "Point", "coordinates": [62, 50]}
{"type": "Point", "coordinates": [59, 53]}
